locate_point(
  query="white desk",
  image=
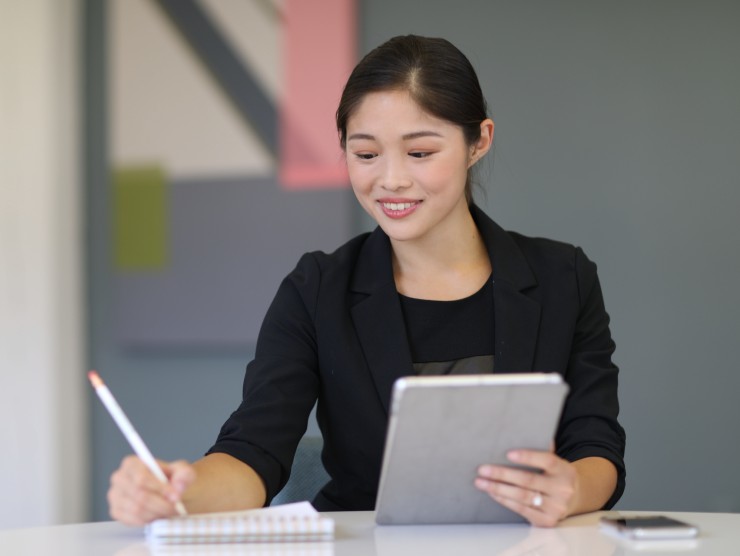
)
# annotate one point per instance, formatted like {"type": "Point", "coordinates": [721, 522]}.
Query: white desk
{"type": "Point", "coordinates": [357, 535]}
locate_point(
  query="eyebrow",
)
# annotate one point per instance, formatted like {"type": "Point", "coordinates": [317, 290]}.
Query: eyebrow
{"type": "Point", "coordinates": [406, 137]}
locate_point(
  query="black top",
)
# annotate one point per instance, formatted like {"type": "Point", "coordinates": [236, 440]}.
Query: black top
{"type": "Point", "coordinates": [451, 337]}
{"type": "Point", "coordinates": [335, 333]}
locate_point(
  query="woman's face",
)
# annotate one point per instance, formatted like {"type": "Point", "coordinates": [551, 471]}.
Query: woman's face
{"type": "Point", "coordinates": [408, 168]}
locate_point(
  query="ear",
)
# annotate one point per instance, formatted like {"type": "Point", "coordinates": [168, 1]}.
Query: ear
{"type": "Point", "coordinates": [484, 142]}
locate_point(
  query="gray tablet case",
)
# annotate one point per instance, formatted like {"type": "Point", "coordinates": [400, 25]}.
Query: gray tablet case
{"type": "Point", "coordinates": [442, 428]}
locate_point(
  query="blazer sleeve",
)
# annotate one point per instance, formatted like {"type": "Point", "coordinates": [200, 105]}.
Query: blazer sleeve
{"type": "Point", "coordinates": [281, 383]}
{"type": "Point", "coordinates": [589, 425]}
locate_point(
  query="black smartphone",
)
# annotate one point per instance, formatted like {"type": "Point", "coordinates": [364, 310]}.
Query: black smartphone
{"type": "Point", "coordinates": [645, 527]}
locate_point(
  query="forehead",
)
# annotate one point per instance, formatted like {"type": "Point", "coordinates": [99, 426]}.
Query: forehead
{"type": "Point", "coordinates": [391, 111]}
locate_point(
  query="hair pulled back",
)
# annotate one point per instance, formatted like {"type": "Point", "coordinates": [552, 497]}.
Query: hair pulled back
{"type": "Point", "coordinates": [439, 78]}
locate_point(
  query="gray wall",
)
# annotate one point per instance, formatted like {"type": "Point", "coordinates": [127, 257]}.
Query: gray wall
{"type": "Point", "coordinates": [618, 129]}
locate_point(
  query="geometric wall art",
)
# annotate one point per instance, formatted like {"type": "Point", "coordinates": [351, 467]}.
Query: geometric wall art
{"type": "Point", "coordinates": [225, 163]}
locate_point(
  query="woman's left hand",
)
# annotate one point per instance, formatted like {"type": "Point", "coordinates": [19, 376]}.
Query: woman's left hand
{"type": "Point", "coordinates": [541, 498]}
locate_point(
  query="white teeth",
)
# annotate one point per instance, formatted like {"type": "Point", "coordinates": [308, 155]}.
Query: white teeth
{"type": "Point", "coordinates": [398, 206]}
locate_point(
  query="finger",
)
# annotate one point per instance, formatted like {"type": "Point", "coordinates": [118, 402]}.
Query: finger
{"type": "Point", "coordinates": [135, 471]}
{"type": "Point", "coordinates": [536, 516]}
{"type": "Point", "coordinates": [521, 501]}
{"type": "Point", "coordinates": [139, 508]}
{"type": "Point", "coordinates": [136, 496]}
{"type": "Point", "coordinates": [499, 490]}
{"type": "Point", "coordinates": [134, 506]}
{"type": "Point", "coordinates": [141, 477]}
{"type": "Point", "coordinates": [180, 474]}
{"type": "Point", "coordinates": [546, 461]}
{"type": "Point", "coordinates": [558, 476]}
{"type": "Point", "coordinates": [516, 498]}
{"type": "Point", "coordinates": [521, 478]}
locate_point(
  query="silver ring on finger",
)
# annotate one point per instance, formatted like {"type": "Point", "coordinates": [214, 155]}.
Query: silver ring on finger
{"type": "Point", "coordinates": [537, 500]}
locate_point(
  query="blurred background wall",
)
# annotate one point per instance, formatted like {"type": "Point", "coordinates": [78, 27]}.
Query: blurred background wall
{"type": "Point", "coordinates": [617, 129]}
{"type": "Point", "coordinates": [44, 434]}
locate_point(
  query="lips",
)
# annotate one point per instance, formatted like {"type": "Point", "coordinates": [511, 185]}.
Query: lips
{"type": "Point", "coordinates": [398, 208]}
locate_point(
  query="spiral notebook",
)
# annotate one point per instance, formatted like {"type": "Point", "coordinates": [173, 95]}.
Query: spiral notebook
{"type": "Point", "coordinates": [297, 522]}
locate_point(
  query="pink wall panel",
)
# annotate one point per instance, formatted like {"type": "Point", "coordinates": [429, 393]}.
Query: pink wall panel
{"type": "Point", "coordinates": [320, 52]}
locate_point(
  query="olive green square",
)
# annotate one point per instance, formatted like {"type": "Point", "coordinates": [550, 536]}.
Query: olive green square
{"type": "Point", "coordinates": [141, 218]}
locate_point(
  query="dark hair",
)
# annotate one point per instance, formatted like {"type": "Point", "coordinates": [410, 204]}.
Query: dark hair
{"type": "Point", "coordinates": [439, 78]}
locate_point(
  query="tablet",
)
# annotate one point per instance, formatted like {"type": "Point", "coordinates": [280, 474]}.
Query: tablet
{"type": "Point", "coordinates": [442, 428]}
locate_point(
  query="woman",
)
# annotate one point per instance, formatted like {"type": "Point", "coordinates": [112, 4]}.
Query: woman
{"type": "Point", "coordinates": [438, 287]}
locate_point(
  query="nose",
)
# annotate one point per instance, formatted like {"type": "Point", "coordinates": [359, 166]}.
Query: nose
{"type": "Point", "coordinates": [394, 176]}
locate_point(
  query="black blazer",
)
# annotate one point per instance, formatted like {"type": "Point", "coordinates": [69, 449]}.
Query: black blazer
{"type": "Point", "coordinates": [335, 332]}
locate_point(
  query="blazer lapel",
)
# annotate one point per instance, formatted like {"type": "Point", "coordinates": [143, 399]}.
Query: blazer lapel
{"type": "Point", "coordinates": [517, 315]}
{"type": "Point", "coordinates": [516, 324]}
{"type": "Point", "coordinates": [377, 316]}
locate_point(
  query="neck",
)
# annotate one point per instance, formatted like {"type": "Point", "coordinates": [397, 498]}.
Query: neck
{"type": "Point", "coordinates": [450, 264]}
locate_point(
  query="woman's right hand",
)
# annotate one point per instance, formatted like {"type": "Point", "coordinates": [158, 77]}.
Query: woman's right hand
{"type": "Point", "coordinates": [137, 497]}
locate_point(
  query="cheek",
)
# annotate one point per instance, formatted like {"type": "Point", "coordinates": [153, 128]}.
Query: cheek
{"type": "Point", "coordinates": [363, 193]}
{"type": "Point", "coordinates": [359, 177]}
{"type": "Point", "coordinates": [444, 175]}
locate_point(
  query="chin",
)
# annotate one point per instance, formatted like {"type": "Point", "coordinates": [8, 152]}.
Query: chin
{"type": "Point", "coordinates": [400, 232]}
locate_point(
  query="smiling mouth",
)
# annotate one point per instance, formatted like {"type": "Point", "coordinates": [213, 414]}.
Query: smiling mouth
{"type": "Point", "coordinates": [398, 209]}
{"type": "Point", "coordinates": [397, 206]}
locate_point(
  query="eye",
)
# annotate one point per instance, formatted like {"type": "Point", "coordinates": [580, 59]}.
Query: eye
{"type": "Point", "coordinates": [420, 154]}
{"type": "Point", "coordinates": [365, 156]}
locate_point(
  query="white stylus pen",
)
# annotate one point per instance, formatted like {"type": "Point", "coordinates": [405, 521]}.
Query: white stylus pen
{"type": "Point", "coordinates": [129, 432]}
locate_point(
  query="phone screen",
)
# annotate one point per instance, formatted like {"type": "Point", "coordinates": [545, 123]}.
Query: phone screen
{"type": "Point", "coordinates": [646, 527]}
{"type": "Point", "coordinates": [648, 522]}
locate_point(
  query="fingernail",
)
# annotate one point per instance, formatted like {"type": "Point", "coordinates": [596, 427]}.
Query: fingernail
{"type": "Point", "coordinates": [514, 455]}
{"type": "Point", "coordinates": [484, 470]}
